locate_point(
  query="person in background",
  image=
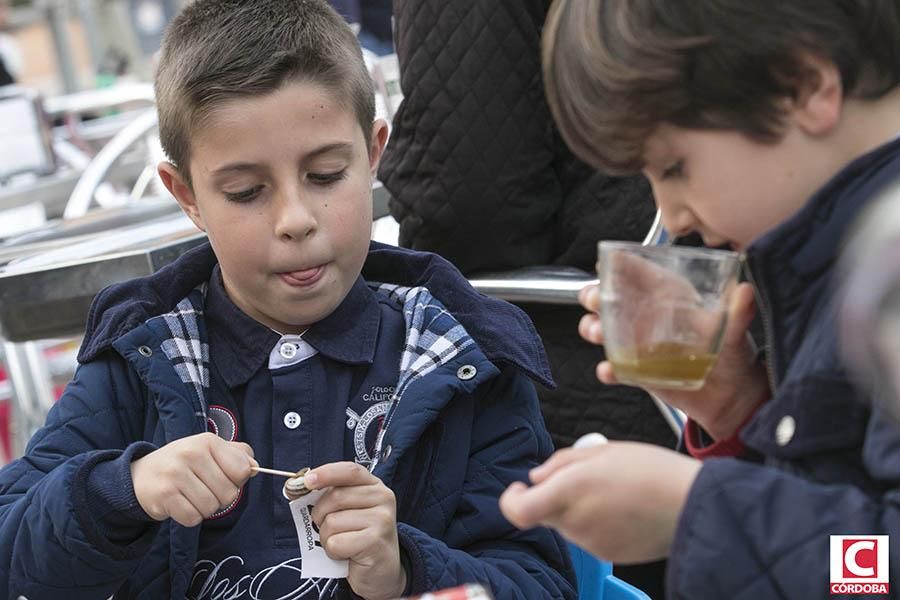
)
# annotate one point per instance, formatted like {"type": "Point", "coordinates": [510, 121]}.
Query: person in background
{"type": "Point", "coordinates": [869, 279]}
{"type": "Point", "coordinates": [10, 55]}
{"type": "Point", "coordinates": [769, 127]}
{"type": "Point", "coordinates": [373, 18]}
{"type": "Point", "coordinates": [286, 341]}
{"type": "Point", "coordinates": [478, 173]}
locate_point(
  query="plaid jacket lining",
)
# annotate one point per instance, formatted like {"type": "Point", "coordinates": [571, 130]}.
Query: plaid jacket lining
{"type": "Point", "coordinates": [433, 338]}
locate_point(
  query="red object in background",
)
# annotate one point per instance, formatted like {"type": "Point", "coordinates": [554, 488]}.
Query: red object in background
{"type": "Point", "coordinates": [464, 592]}
{"type": "Point", "coordinates": [60, 357]}
{"type": "Point", "coordinates": [5, 438]}
{"type": "Point", "coordinates": [5, 410]}
{"type": "Point", "coordinates": [6, 416]}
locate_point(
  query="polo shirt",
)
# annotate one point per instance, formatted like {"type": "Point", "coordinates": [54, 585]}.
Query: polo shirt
{"type": "Point", "coordinates": [298, 401]}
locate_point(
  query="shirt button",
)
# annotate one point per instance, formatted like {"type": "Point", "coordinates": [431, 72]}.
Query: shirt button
{"type": "Point", "coordinates": [784, 433]}
{"type": "Point", "coordinates": [386, 453]}
{"type": "Point", "coordinates": [466, 372]}
{"type": "Point", "coordinates": [287, 351]}
{"type": "Point", "coordinates": [292, 420]}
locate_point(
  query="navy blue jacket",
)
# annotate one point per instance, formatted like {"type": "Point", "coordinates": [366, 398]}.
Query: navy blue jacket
{"type": "Point", "coordinates": [831, 454]}
{"type": "Point", "coordinates": [466, 423]}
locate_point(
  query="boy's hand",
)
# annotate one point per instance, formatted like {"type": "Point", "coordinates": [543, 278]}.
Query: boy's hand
{"type": "Point", "coordinates": [734, 388]}
{"type": "Point", "coordinates": [357, 520]}
{"type": "Point", "coordinates": [620, 501]}
{"type": "Point", "coordinates": [192, 478]}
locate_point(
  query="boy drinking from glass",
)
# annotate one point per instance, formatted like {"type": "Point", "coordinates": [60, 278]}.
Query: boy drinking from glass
{"type": "Point", "coordinates": [767, 126]}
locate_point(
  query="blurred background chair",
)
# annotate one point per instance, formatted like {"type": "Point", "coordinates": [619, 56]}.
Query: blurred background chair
{"type": "Point", "coordinates": [596, 581]}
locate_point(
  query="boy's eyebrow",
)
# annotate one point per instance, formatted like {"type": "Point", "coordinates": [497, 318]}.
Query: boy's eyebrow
{"type": "Point", "coordinates": [237, 166]}
{"type": "Point", "coordinates": [343, 149]}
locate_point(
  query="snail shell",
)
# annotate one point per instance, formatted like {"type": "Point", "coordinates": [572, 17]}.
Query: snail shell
{"type": "Point", "coordinates": [294, 487]}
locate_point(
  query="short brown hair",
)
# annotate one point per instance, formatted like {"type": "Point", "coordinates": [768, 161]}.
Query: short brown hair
{"type": "Point", "coordinates": [614, 70]}
{"type": "Point", "coordinates": [215, 51]}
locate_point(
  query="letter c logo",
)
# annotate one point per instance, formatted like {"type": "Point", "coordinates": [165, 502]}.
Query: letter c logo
{"type": "Point", "coordinates": [850, 558]}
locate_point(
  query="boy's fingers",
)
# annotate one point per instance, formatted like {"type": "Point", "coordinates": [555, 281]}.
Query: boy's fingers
{"type": "Point", "coordinates": [589, 297]}
{"type": "Point", "coordinates": [233, 459]}
{"type": "Point", "coordinates": [344, 521]}
{"type": "Point", "coordinates": [526, 507]}
{"type": "Point", "coordinates": [217, 483]}
{"type": "Point", "coordinates": [740, 314]}
{"type": "Point", "coordinates": [637, 274]}
{"type": "Point", "coordinates": [183, 512]}
{"type": "Point", "coordinates": [590, 328]}
{"type": "Point", "coordinates": [246, 449]}
{"type": "Point", "coordinates": [559, 459]}
{"type": "Point", "coordinates": [606, 374]}
{"type": "Point", "coordinates": [354, 497]}
{"type": "Point", "coordinates": [565, 457]}
{"type": "Point", "coordinates": [346, 545]}
{"type": "Point", "coordinates": [197, 491]}
{"type": "Point", "coordinates": [338, 474]}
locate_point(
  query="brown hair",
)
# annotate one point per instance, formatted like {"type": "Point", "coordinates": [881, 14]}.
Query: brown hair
{"type": "Point", "coordinates": [215, 51]}
{"type": "Point", "coordinates": [614, 70]}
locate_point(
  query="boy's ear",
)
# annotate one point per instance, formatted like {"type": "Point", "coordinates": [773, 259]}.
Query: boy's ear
{"type": "Point", "coordinates": [183, 193]}
{"type": "Point", "coordinates": [820, 96]}
{"type": "Point", "coordinates": [376, 149]}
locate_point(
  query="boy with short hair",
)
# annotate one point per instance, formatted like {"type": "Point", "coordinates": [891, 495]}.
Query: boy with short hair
{"type": "Point", "coordinates": [767, 126]}
{"type": "Point", "coordinates": [409, 397]}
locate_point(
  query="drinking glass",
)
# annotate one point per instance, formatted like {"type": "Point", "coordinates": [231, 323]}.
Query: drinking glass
{"type": "Point", "coordinates": [664, 311]}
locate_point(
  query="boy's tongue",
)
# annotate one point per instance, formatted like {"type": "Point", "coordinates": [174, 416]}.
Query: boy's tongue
{"type": "Point", "coordinates": [304, 274]}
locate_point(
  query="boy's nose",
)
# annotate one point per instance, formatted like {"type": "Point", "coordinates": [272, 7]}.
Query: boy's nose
{"type": "Point", "coordinates": [677, 218]}
{"type": "Point", "coordinates": [294, 219]}
{"type": "Point", "coordinates": [678, 222]}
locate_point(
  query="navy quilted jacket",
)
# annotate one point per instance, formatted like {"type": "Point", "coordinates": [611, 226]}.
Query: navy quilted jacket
{"type": "Point", "coordinates": [831, 454]}
{"type": "Point", "coordinates": [452, 443]}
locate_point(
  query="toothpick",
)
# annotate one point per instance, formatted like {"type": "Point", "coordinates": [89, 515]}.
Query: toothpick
{"type": "Point", "coordinates": [273, 472]}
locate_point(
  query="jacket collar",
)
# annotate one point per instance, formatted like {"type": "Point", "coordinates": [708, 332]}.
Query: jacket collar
{"type": "Point", "coordinates": [502, 331]}
{"type": "Point", "coordinates": [809, 241]}
{"type": "Point", "coordinates": [792, 265]}
{"type": "Point", "coordinates": [240, 345]}
{"type": "Point", "coordinates": [122, 307]}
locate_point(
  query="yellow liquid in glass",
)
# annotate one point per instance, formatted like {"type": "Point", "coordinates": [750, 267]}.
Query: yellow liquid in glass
{"type": "Point", "coordinates": [669, 365]}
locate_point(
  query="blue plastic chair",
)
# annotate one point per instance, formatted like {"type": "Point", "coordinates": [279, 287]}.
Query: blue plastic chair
{"type": "Point", "coordinates": [596, 581]}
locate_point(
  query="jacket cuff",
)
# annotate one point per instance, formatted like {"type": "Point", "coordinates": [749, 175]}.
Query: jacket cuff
{"type": "Point", "coordinates": [412, 561]}
{"type": "Point", "coordinates": [701, 446]}
{"type": "Point", "coordinates": [104, 501]}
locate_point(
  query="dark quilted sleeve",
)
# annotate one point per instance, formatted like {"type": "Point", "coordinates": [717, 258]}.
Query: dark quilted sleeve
{"type": "Point", "coordinates": [52, 545]}
{"type": "Point", "coordinates": [750, 531]}
{"type": "Point", "coordinates": [480, 545]}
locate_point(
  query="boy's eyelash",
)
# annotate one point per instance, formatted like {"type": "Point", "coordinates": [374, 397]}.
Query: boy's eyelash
{"type": "Point", "coordinates": [675, 170]}
{"type": "Point", "coordinates": [327, 178]}
{"type": "Point", "coordinates": [317, 178]}
{"type": "Point", "coordinates": [244, 195]}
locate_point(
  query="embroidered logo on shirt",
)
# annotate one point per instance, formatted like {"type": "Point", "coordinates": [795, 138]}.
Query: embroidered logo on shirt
{"type": "Point", "coordinates": [379, 393]}
{"type": "Point", "coordinates": [223, 423]}
{"type": "Point", "coordinates": [227, 580]}
{"type": "Point", "coordinates": [364, 434]}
